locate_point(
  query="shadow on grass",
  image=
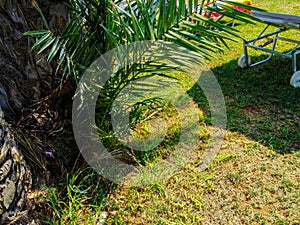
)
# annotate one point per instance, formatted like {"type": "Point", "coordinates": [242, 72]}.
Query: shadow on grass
{"type": "Point", "coordinates": [260, 102]}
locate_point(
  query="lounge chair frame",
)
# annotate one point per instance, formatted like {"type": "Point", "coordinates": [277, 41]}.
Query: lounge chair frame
{"type": "Point", "coordinates": [284, 22]}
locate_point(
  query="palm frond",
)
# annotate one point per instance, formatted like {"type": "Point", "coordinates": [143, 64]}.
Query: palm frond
{"type": "Point", "coordinates": [97, 26]}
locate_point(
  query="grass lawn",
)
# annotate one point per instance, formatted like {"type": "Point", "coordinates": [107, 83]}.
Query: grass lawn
{"type": "Point", "coordinates": [255, 179]}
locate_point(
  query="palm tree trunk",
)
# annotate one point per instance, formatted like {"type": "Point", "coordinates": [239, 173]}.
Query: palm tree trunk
{"type": "Point", "coordinates": [25, 77]}
{"type": "Point", "coordinates": [15, 176]}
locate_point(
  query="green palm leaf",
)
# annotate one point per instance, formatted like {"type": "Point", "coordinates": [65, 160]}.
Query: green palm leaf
{"type": "Point", "coordinates": [97, 26]}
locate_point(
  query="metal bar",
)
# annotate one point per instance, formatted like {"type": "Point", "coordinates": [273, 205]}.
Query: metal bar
{"type": "Point", "coordinates": [290, 54]}
{"type": "Point", "coordinates": [269, 50]}
{"type": "Point", "coordinates": [246, 54]}
{"type": "Point", "coordinates": [261, 33]}
{"type": "Point", "coordinates": [295, 60]}
{"type": "Point", "coordinates": [262, 61]}
{"type": "Point", "coordinates": [288, 40]}
{"type": "Point", "coordinates": [264, 36]}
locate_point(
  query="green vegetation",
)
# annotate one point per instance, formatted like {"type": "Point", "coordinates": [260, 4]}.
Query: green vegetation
{"type": "Point", "coordinates": [99, 26]}
{"type": "Point", "coordinates": [255, 177]}
{"type": "Point", "coordinates": [80, 200]}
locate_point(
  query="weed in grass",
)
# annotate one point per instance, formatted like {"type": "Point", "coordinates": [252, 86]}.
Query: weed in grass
{"type": "Point", "coordinates": [79, 200]}
{"type": "Point", "coordinates": [224, 156]}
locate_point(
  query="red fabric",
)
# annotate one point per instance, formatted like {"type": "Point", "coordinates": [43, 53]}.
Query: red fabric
{"type": "Point", "coordinates": [214, 15]}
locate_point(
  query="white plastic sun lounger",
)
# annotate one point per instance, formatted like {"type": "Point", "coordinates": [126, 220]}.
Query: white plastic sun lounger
{"type": "Point", "coordinates": [283, 22]}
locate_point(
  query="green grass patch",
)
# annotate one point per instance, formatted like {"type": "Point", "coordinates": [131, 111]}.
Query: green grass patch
{"type": "Point", "coordinates": [253, 180]}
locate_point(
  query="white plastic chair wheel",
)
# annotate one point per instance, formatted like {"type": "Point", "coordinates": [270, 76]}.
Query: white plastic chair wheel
{"type": "Point", "coordinates": [295, 79]}
{"type": "Point", "coordinates": [242, 61]}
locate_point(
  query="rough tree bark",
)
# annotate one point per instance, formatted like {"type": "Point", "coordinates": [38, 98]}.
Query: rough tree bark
{"type": "Point", "coordinates": [15, 177]}
{"type": "Point", "coordinates": [25, 77]}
